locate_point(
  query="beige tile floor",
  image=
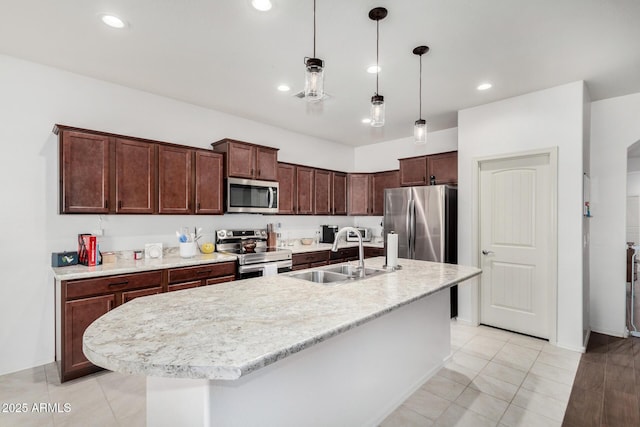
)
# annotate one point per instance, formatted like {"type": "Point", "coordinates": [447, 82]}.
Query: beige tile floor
{"type": "Point", "coordinates": [494, 378]}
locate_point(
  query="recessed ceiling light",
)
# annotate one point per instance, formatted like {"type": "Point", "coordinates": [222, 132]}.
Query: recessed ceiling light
{"type": "Point", "coordinates": [113, 21]}
{"type": "Point", "coordinates": [484, 86]}
{"type": "Point", "coordinates": [261, 5]}
{"type": "Point", "coordinates": [372, 69]}
{"type": "Point", "coordinates": [284, 88]}
{"type": "Point", "coordinates": [366, 120]}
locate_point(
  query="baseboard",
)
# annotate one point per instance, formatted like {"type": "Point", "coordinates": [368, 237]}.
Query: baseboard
{"type": "Point", "coordinates": [605, 331]}
{"type": "Point", "coordinates": [466, 322]}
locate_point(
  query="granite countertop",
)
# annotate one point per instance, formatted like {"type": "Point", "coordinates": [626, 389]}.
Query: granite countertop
{"type": "Point", "coordinates": [229, 330]}
{"type": "Point", "coordinates": [129, 265]}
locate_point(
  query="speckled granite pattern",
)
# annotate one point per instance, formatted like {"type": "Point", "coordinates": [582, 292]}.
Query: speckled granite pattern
{"type": "Point", "coordinates": [231, 329]}
{"type": "Point", "coordinates": [124, 266]}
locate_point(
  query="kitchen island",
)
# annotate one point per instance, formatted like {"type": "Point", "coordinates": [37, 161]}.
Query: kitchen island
{"type": "Point", "coordinates": [283, 351]}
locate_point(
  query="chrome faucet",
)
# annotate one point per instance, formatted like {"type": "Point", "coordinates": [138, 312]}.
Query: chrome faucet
{"type": "Point", "coordinates": [344, 231]}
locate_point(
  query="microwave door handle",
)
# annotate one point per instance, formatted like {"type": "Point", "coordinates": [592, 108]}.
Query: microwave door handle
{"type": "Point", "coordinates": [270, 198]}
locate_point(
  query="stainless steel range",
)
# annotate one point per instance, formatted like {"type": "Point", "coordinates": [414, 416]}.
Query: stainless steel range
{"type": "Point", "coordinates": [255, 258]}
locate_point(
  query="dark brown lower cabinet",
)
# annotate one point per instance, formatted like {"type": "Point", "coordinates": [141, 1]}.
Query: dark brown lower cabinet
{"type": "Point", "coordinates": [370, 252]}
{"type": "Point", "coordinates": [315, 259]}
{"type": "Point", "coordinates": [83, 301]}
{"type": "Point", "coordinates": [79, 314]}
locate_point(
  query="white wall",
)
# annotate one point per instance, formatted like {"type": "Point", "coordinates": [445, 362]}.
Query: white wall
{"type": "Point", "coordinates": [33, 99]}
{"type": "Point", "coordinates": [615, 125]}
{"type": "Point", "coordinates": [543, 119]}
{"type": "Point", "coordinates": [384, 155]}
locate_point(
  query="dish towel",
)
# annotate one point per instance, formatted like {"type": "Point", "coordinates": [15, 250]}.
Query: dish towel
{"type": "Point", "coordinates": [270, 270]}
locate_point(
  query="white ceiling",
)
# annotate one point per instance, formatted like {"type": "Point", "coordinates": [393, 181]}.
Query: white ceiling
{"type": "Point", "coordinates": [225, 55]}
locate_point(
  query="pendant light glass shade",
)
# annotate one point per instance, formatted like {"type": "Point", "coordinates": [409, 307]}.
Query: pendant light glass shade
{"type": "Point", "coordinates": [314, 79]}
{"type": "Point", "coordinates": [377, 111]}
{"type": "Point", "coordinates": [420, 132]}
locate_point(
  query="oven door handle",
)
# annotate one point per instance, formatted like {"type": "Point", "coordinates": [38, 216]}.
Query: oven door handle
{"type": "Point", "coordinates": [250, 268]}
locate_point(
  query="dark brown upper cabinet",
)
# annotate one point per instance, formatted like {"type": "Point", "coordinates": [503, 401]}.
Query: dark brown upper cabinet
{"type": "Point", "coordinates": [85, 171]}
{"type": "Point", "coordinates": [208, 183]}
{"type": "Point", "coordinates": [359, 194]}
{"type": "Point", "coordinates": [286, 188]}
{"type": "Point", "coordinates": [439, 168]}
{"type": "Point", "coordinates": [250, 161]}
{"type": "Point", "coordinates": [443, 167]}
{"type": "Point", "coordinates": [304, 190]}
{"type": "Point", "coordinates": [380, 181]}
{"type": "Point", "coordinates": [108, 173]}
{"type": "Point", "coordinates": [135, 191]}
{"type": "Point", "coordinates": [174, 180]}
{"type": "Point", "coordinates": [322, 199]}
{"type": "Point", "coordinates": [339, 192]}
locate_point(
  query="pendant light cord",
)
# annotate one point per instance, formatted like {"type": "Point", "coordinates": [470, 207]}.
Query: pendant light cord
{"type": "Point", "coordinates": [377, 52]}
{"type": "Point", "coordinates": [314, 28]}
{"type": "Point", "coordinates": [420, 93]}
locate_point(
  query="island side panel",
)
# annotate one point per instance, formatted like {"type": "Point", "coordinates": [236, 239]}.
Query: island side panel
{"type": "Point", "coordinates": [355, 378]}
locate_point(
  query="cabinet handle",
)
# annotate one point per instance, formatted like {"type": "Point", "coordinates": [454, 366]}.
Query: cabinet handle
{"type": "Point", "coordinates": [124, 282]}
{"type": "Point", "coordinates": [258, 172]}
{"type": "Point", "coordinates": [198, 206]}
{"type": "Point", "coordinates": [252, 171]}
{"type": "Point", "coordinates": [119, 204]}
{"type": "Point", "coordinates": [202, 273]}
{"type": "Point", "coordinates": [106, 204]}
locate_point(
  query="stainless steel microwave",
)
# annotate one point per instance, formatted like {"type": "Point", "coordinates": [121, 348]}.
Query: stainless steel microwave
{"type": "Point", "coordinates": [251, 196]}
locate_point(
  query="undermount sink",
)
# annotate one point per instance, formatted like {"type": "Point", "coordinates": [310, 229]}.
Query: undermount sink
{"type": "Point", "coordinates": [336, 274]}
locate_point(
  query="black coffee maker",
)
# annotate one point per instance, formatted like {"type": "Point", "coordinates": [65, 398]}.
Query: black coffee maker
{"type": "Point", "coordinates": [329, 233]}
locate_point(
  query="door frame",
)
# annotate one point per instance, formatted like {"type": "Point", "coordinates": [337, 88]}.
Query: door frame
{"type": "Point", "coordinates": [552, 152]}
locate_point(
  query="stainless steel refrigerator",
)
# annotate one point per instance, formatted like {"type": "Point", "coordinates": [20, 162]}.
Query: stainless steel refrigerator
{"type": "Point", "coordinates": [426, 221]}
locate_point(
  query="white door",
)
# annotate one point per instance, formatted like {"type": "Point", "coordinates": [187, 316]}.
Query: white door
{"type": "Point", "coordinates": [516, 240]}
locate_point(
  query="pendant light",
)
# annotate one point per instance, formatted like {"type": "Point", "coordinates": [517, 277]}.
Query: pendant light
{"type": "Point", "coordinates": [314, 70]}
{"type": "Point", "coordinates": [420, 127]}
{"type": "Point", "coordinates": [377, 100]}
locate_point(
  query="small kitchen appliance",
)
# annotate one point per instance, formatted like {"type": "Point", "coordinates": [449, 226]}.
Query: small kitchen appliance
{"type": "Point", "coordinates": [364, 232]}
{"type": "Point", "coordinates": [255, 257]}
{"type": "Point", "coordinates": [251, 196]}
{"type": "Point", "coordinates": [329, 233]}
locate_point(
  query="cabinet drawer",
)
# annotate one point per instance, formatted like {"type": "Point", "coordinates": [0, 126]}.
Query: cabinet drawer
{"type": "Point", "coordinates": [184, 285]}
{"type": "Point", "coordinates": [217, 280]}
{"type": "Point", "coordinates": [185, 274]}
{"type": "Point", "coordinates": [345, 253]}
{"type": "Point", "coordinates": [309, 257]}
{"type": "Point", "coordinates": [124, 282]}
{"type": "Point", "coordinates": [129, 295]}
{"type": "Point", "coordinates": [373, 252]}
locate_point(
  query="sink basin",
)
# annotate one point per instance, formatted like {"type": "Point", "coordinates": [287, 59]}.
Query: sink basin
{"type": "Point", "coordinates": [320, 276]}
{"type": "Point", "coordinates": [352, 271]}
{"type": "Point", "coordinates": [336, 274]}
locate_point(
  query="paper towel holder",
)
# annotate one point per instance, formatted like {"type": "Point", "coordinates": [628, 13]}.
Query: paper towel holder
{"type": "Point", "coordinates": [391, 267]}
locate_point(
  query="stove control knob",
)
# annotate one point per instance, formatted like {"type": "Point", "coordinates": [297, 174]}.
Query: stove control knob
{"type": "Point", "coordinates": [263, 232]}
{"type": "Point", "coordinates": [221, 234]}
{"type": "Point", "coordinates": [230, 233]}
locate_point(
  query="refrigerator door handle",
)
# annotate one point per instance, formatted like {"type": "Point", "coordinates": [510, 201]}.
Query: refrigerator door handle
{"type": "Point", "coordinates": [412, 232]}
{"type": "Point", "coordinates": [409, 227]}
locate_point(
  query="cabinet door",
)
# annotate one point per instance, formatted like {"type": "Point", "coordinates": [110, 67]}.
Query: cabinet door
{"type": "Point", "coordinates": [413, 171]}
{"type": "Point", "coordinates": [287, 188]}
{"type": "Point", "coordinates": [444, 167]}
{"type": "Point", "coordinates": [129, 295]}
{"type": "Point", "coordinates": [304, 190]}
{"type": "Point", "coordinates": [339, 192]}
{"type": "Point", "coordinates": [184, 285]}
{"type": "Point", "coordinates": [379, 182]}
{"type": "Point", "coordinates": [218, 280]}
{"type": "Point", "coordinates": [84, 168]}
{"type": "Point", "coordinates": [322, 192]}
{"type": "Point", "coordinates": [174, 180]}
{"type": "Point", "coordinates": [266, 164]}
{"type": "Point", "coordinates": [208, 186]}
{"type": "Point", "coordinates": [359, 197]}
{"type": "Point", "coordinates": [78, 315]}
{"type": "Point", "coordinates": [135, 177]}
{"type": "Point", "coordinates": [241, 160]}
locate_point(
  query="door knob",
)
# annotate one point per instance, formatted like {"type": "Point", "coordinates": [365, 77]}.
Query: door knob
{"type": "Point", "coordinates": [486, 252]}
